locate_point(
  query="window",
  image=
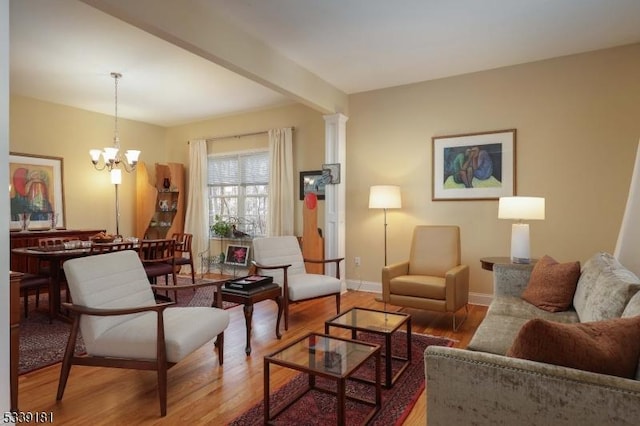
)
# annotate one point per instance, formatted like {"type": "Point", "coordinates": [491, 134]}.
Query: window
{"type": "Point", "coordinates": [239, 190]}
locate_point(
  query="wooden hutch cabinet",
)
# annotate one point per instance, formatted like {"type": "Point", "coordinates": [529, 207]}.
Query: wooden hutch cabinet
{"type": "Point", "coordinates": [160, 201]}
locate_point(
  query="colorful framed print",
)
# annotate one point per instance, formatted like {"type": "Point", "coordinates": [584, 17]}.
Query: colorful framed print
{"type": "Point", "coordinates": [474, 166]}
{"type": "Point", "coordinates": [35, 191]}
{"type": "Point", "coordinates": [237, 255]}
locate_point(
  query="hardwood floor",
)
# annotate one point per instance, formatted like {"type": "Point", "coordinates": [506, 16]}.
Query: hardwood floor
{"type": "Point", "coordinates": [199, 390]}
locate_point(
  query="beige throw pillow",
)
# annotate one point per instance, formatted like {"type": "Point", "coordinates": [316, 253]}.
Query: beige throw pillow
{"type": "Point", "coordinates": [552, 284]}
{"type": "Point", "coordinates": [607, 347]}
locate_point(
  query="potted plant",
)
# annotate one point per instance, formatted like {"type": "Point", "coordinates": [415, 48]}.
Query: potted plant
{"type": "Point", "coordinates": [221, 227]}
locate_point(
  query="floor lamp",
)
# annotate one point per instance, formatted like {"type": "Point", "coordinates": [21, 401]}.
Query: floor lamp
{"type": "Point", "coordinates": [116, 180]}
{"type": "Point", "coordinates": [385, 197]}
{"type": "Point", "coordinates": [520, 208]}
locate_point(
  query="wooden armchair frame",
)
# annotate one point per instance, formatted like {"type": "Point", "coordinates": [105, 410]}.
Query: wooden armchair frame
{"type": "Point", "coordinates": [285, 283]}
{"type": "Point", "coordinates": [160, 364]}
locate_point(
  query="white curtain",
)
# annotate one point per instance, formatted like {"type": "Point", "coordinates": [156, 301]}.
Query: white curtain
{"type": "Point", "coordinates": [197, 216]}
{"type": "Point", "coordinates": [281, 188]}
{"type": "Point", "coordinates": [628, 245]}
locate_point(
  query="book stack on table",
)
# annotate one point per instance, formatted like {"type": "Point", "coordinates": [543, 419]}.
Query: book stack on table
{"type": "Point", "coordinates": [249, 284]}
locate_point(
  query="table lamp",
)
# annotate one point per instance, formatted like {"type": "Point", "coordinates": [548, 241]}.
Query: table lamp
{"type": "Point", "coordinates": [520, 208]}
{"type": "Point", "coordinates": [385, 197]}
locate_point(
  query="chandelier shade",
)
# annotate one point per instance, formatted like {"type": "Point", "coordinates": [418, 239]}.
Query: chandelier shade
{"type": "Point", "coordinates": [110, 157]}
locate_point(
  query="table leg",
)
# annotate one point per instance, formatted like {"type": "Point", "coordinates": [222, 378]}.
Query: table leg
{"type": "Point", "coordinates": [387, 361]}
{"type": "Point", "coordinates": [266, 392]}
{"type": "Point", "coordinates": [248, 315]}
{"type": "Point", "coordinates": [340, 391]}
{"type": "Point", "coordinates": [54, 289]}
{"type": "Point", "coordinates": [409, 339]}
{"type": "Point", "coordinates": [278, 300]}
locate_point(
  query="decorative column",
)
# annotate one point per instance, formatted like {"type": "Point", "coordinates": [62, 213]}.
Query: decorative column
{"type": "Point", "coordinates": [335, 195]}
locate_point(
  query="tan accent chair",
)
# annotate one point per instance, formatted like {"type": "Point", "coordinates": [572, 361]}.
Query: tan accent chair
{"type": "Point", "coordinates": [281, 258]}
{"type": "Point", "coordinates": [123, 327]}
{"type": "Point", "coordinates": [433, 278]}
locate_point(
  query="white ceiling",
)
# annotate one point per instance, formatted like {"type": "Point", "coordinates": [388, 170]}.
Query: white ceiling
{"type": "Point", "coordinates": [63, 51]}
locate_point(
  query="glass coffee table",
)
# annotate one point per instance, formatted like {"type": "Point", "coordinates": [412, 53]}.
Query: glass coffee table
{"type": "Point", "coordinates": [334, 358]}
{"type": "Point", "coordinates": [377, 322]}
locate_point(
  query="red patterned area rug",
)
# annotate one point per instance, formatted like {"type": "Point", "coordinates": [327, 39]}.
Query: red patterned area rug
{"type": "Point", "coordinates": [318, 408]}
{"type": "Point", "coordinates": [42, 343]}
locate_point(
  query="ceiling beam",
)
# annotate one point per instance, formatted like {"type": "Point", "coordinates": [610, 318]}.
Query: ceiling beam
{"type": "Point", "coordinates": [193, 26]}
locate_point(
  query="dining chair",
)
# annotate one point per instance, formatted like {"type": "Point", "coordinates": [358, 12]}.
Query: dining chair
{"type": "Point", "coordinates": [281, 258]}
{"type": "Point", "coordinates": [123, 327]}
{"type": "Point", "coordinates": [30, 282]}
{"type": "Point", "coordinates": [97, 248]}
{"type": "Point", "coordinates": [44, 268]}
{"type": "Point", "coordinates": [183, 246]}
{"type": "Point", "coordinates": [158, 259]}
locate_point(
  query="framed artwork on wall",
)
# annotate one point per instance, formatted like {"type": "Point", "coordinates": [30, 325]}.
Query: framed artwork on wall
{"type": "Point", "coordinates": [474, 166]}
{"type": "Point", "coordinates": [331, 172]}
{"type": "Point", "coordinates": [36, 193]}
{"type": "Point", "coordinates": [313, 182]}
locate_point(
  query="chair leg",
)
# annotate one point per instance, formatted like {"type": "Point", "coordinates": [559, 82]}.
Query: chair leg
{"type": "Point", "coordinates": [25, 295]}
{"type": "Point", "coordinates": [68, 355]}
{"type": "Point", "coordinates": [466, 314]}
{"type": "Point", "coordinates": [37, 297]}
{"type": "Point", "coordinates": [175, 282]}
{"type": "Point", "coordinates": [220, 346]}
{"type": "Point", "coordinates": [193, 273]}
{"type": "Point", "coordinates": [338, 303]}
{"type": "Point", "coordinates": [286, 313]}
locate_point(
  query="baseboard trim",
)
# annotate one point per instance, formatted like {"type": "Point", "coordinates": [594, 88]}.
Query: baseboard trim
{"type": "Point", "coordinates": [375, 287]}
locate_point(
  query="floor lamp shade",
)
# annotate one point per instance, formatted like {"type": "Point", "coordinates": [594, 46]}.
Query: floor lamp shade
{"type": "Point", "coordinates": [521, 208]}
{"type": "Point", "coordinates": [385, 197]}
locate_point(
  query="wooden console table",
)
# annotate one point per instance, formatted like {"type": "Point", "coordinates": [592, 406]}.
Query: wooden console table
{"type": "Point", "coordinates": [14, 335]}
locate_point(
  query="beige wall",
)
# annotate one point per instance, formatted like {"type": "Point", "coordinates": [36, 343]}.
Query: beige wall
{"type": "Point", "coordinates": [308, 139]}
{"type": "Point", "coordinates": [578, 125]}
{"type": "Point", "coordinates": [54, 130]}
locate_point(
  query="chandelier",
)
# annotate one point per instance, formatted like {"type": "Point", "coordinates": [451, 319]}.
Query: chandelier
{"type": "Point", "coordinates": [111, 156]}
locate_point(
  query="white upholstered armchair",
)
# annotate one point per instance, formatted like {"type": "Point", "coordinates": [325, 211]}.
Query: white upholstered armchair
{"type": "Point", "coordinates": [433, 278]}
{"type": "Point", "coordinates": [122, 326]}
{"type": "Point", "coordinates": [281, 258]}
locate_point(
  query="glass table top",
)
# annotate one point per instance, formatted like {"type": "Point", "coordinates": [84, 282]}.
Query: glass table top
{"type": "Point", "coordinates": [369, 319]}
{"type": "Point", "coordinates": [324, 354]}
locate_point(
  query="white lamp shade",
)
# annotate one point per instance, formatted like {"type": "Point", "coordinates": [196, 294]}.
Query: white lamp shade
{"type": "Point", "coordinates": [110, 153]}
{"type": "Point", "coordinates": [132, 156]}
{"type": "Point", "coordinates": [116, 176]}
{"type": "Point", "coordinates": [95, 155]}
{"type": "Point", "coordinates": [385, 197]}
{"type": "Point", "coordinates": [521, 208]}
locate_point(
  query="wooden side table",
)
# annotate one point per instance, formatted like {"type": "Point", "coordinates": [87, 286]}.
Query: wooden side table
{"type": "Point", "coordinates": [14, 339]}
{"type": "Point", "coordinates": [248, 298]}
{"type": "Point", "coordinates": [488, 262]}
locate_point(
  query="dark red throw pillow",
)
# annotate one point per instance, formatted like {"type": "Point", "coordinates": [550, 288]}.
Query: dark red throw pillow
{"type": "Point", "coordinates": [607, 347]}
{"type": "Point", "coordinates": [552, 285]}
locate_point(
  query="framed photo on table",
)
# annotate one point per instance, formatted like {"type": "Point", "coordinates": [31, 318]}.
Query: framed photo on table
{"type": "Point", "coordinates": [35, 190]}
{"type": "Point", "coordinates": [236, 255]}
{"type": "Point", "coordinates": [474, 166]}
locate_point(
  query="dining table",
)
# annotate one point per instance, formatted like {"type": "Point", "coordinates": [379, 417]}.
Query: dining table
{"type": "Point", "coordinates": [55, 256]}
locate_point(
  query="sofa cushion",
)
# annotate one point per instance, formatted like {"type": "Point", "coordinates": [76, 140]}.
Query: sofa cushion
{"type": "Point", "coordinates": [496, 333]}
{"type": "Point", "coordinates": [552, 285]}
{"type": "Point", "coordinates": [591, 270]}
{"type": "Point", "coordinates": [613, 289]}
{"type": "Point", "coordinates": [631, 310]}
{"type": "Point", "coordinates": [606, 347]}
{"type": "Point", "coordinates": [516, 307]}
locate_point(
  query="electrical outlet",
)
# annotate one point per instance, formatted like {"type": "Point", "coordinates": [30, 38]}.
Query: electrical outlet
{"type": "Point", "coordinates": [356, 260]}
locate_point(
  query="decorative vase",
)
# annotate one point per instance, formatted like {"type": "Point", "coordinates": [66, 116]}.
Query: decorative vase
{"type": "Point", "coordinates": [166, 183]}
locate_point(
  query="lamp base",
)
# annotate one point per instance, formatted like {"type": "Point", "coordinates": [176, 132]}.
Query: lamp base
{"type": "Point", "coordinates": [520, 243]}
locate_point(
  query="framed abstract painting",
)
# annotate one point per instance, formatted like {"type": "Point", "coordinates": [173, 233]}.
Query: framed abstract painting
{"type": "Point", "coordinates": [474, 166]}
{"type": "Point", "coordinates": [36, 190]}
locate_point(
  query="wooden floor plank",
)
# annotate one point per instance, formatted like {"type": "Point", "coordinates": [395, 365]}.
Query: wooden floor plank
{"type": "Point", "coordinates": [199, 390]}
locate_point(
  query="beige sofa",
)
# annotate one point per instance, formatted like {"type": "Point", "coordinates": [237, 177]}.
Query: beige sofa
{"type": "Point", "coordinates": [481, 386]}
